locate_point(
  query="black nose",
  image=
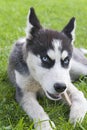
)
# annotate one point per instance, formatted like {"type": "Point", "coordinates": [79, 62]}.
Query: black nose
{"type": "Point", "coordinates": [60, 87]}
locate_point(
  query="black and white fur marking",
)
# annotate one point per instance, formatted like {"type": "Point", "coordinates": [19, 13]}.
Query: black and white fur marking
{"type": "Point", "coordinates": [46, 61]}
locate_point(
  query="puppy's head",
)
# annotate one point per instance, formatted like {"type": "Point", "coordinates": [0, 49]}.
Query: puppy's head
{"type": "Point", "coordinates": [49, 55]}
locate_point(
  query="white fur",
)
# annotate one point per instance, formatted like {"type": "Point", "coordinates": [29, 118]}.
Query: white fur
{"type": "Point", "coordinates": [28, 28]}
{"type": "Point", "coordinates": [26, 82]}
{"type": "Point", "coordinates": [55, 54]}
{"type": "Point", "coordinates": [29, 102]}
{"type": "Point", "coordinates": [47, 78]}
{"type": "Point", "coordinates": [64, 54]}
{"type": "Point", "coordinates": [73, 32]}
{"type": "Point", "coordinates": [21, 40]}
{"type": "Point", "coordinates": [57, 45]}
{"type": "Point", "coordinates": [79, 104]}
{"type": "Point", "coordinates": [20, 79]}
{"type": "Point", "coordinates": [35, 111]}
{"type": "Point", "coordinates": [51, 54]}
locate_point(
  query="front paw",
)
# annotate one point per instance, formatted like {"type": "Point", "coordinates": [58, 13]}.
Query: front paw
{"type": "Point", "coordinates": [78, 110]}
{"type": "Point", "coordinates": [45, 125]}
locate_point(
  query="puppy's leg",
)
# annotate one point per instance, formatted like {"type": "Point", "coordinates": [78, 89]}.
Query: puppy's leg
{"type": "Point", "coordinates": [35, 111]}
{"type": "Point", "coordinates": [78, 104]}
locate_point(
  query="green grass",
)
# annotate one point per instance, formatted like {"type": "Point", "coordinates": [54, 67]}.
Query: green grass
{"type": "Point", "coordinates": [53, 14]}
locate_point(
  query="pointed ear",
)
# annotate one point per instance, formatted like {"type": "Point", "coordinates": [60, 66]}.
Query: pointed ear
{"type": "Point", "coordinates": [69, 29]}
{"type": "Point", "coordinates": [33, 24]}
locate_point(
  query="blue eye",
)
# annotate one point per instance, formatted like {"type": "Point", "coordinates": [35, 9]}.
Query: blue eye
{"type": "Point", "coordinates": [44, 59]}
{"type": "Point", "coordinates": [47, 62]}
{"type": "Point", "coordinates": [65, 62]}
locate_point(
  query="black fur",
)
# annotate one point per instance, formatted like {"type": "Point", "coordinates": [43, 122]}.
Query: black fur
{"type": "Point", "coordinates": [34, 21]}
{"type": "Point", "coordinates": [69, 28]}
{"type": "Point", "coordinates": [42, 39]}
{"type": "Point", "coordinates": [17, 60]}
{"type": "Point", "coordinates": [42, 42]}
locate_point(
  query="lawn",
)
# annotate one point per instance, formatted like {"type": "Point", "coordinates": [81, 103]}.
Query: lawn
{"type": "Point", "coordinates": [52, 14]}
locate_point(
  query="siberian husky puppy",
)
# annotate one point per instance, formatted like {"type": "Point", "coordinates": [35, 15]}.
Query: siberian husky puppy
{"type": "Point", "coordinates": [45, 61]}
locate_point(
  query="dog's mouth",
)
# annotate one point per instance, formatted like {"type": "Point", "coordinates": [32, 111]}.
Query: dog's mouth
{"type": "Point", "coordinates": [53, 96]}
